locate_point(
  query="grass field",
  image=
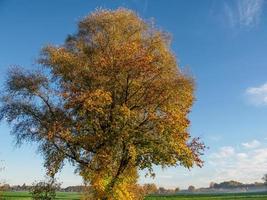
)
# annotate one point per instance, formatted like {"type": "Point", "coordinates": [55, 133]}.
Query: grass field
{"type": "Point", "coordinates": [27, 196]}
{"type": "Point", "coordinates": [76, 196]}
{"type": "Point", "coordinates": [241, 196]}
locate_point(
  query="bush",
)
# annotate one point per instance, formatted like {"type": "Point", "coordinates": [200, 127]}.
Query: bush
{"type": "Point", "coordinates": [3, 186]}
{"type": "Point", "coordinates": [44, 190]}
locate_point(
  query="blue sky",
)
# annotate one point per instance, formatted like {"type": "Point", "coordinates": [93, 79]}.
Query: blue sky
{"type": "Point", "coordinates": [224, 43]}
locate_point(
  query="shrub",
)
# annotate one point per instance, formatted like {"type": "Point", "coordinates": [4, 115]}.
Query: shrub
{"type": "Point", "coordinates": [44, 190]}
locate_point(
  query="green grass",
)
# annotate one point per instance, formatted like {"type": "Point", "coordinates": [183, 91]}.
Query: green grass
{"type": "Point", "coordinates": [27, 196]}
{"type": "Point", "coordinates": [241, 196]}
{"type": "Point", "coordinates": [76, 196]}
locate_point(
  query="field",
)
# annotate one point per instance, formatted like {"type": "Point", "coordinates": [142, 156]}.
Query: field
{"type": "Point", "coordinates": [76, 196]}
{"type": "Point", "coordinates": [27, 196]}
{"type": "Point", "coordinates": [240, 196]}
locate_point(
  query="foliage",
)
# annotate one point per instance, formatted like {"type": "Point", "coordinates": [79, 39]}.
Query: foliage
{"type": "Point", "coordinates": [44, 190]}
{"type": "Point", "coordinates": [228, 184]}
{"type": "Point", "coordinates": [111, 100]}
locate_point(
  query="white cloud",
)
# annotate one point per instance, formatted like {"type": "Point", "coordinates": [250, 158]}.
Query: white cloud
{"type": "Point", "coordinates": [245, 166]}
{"type": "Point", "coordinates": [224, 152]}
{"type": "Point", "coordinates": [241, 155]}
{"type": "Point", "coordinates": [249, 11]}
{"type": "Point", "coordinates": [257, 95]}
{"type": "Point", "coordinates": [252, 144]}
{"type": "Point", "coordinates": [243, 13]}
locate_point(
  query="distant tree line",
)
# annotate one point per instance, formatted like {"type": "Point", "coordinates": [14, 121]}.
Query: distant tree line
{"type": "Point", "coordinates": [25, 187]}
{"type": "Point", "coordinates": [162, 190]}
{"type": "Point", "coordinates": [234, 184]}
{"type": "Point", "coordinates": [146, 188]}
{"type": "Point", "coordinates": [151, 188]}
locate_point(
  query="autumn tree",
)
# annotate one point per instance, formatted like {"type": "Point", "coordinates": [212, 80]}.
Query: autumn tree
{"type": "Point", "coordinates": [112, 100]}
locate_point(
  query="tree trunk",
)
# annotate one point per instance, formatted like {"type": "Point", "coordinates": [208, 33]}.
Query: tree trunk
{"type": "Point", "coordinates": [123, 165]}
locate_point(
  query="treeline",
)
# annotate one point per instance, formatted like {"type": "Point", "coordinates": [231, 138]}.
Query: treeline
{"type": "Point", "coordinates": [226, 186]}
{"type": "Point", "coordinates": [24, 187]}
{"type": "Point", "coordinates": [7, 187]}
{"type": "Point", "coordinates": [234, 184]}
{"type": "Point", "coordinates": [153, 189]}
{"type": "Point", "coordinates": [229, 186]}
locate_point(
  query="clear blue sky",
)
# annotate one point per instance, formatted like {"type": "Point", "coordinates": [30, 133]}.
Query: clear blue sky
{"type": "Point", "coordinates": [223, 42]}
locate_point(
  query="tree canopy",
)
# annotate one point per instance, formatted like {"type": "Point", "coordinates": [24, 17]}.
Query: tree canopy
{"type": "Point", "coordinates": [112, 100]}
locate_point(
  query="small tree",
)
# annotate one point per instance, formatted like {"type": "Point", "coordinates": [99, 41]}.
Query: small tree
{"type": "Point", "coordinates": [191, 188]}
{"type": "Point", "coordinates": [2, 185]}
{"type": "Point", "coordinates": [177, 190]}
{"type": "Point", "coordinates": [264, 178]}
{"type": "Point", "coordinates": [162, 190]}
{"type": "Point", "coordinates": [44, 190]}
{"type": "Point", "coordinates": [212, 184]}
{"type": "Point", "coordinates": [150, 188]}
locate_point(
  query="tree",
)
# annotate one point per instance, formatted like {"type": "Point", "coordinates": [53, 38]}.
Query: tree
{"type": "Point", "coordinates": [150, 188]}
{"type": "Point", "coordinates": [162, 190]}
{"type": "Point", "coordinates": [111, 100]}
{"type": "Point", "coordinates": [176, 190]}
{"type": "Point", "coordinates": [228, 184]}
{"type": "Point", "coordinates": [191, 188]}
{"type": "Point", "coordinates": [212, 184]}
{"type": "Point", "coordinates": [264, 178]}
{"type": "Point", "coordinates": [23, 187]}
{"type": "Point", "coordinates": [44, 190]}
{"type": "Point", "coordinates": [3, 186]}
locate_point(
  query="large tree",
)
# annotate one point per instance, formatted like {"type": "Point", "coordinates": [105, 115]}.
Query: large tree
{"type": "Point", "coordinates": [111, 100]}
